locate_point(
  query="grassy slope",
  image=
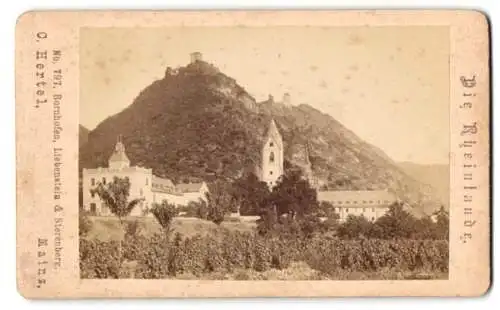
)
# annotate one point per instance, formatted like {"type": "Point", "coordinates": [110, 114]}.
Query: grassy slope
{"type": "Point", "coordinates": [108, 228]}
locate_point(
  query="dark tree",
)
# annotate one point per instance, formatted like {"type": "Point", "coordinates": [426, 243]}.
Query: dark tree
{"type": "Point", "coordinates": [355, 227]}
{"type": "Point", "coordinates": [267, 223]}
{"type": "Point", "coordinates": [249, 194]}
{"type": "Point", "coordinates": [219, 202]}
{"type": "Point", "coordinates": [425, 228]}
{"type": "Point", "coordinates": [396, 223]}
{"type": "Point", "coordinates": [293, 196]}
{"type": "Point", "coordinates": [442, 223]}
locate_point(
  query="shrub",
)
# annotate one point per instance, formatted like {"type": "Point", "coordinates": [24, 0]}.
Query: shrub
{"type": "Point", "coordinates": [218, 202]}
{"type": "Point", "coordinates": [132, 228]}
{"type": "Point", "coordinates": [154, 260]}
{"type": "Point", "coordinates": [164, 214]}
{"type": "Point", "coordinates": [84, 224]}
{"type": "Point", "coordinates": [99, 260]}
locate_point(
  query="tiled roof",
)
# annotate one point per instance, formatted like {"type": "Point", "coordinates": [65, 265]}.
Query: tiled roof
{"type": "Point", "coordinates": [189, 187]}
{"type": "Point", "coordinates": [357, 198]}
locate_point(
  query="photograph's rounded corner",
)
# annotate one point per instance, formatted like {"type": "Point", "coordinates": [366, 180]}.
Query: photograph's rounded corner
{"type": "Point", "coordinates": [24, 17]}
{"type": "Point", "coordinates": [481, 17]}
{"type": "Point", "coordinates": [23, 291]}
{"type": "Point", "coordinates": [484, 289]}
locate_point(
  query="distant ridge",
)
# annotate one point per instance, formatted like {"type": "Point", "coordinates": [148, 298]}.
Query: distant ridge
{"type": "Point", "coordinates": [83, 135]}
{"type": "Point", "coordinates": [435, 175]}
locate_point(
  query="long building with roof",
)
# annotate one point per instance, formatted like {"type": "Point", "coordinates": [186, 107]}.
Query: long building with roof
{"type": "Point", "coordinates": [372, 204]}
{"type": "Point", "coordinates": [143, 184]}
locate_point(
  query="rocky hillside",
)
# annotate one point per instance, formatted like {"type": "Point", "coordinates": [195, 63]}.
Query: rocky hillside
{"type": "Point", "coordinates": [197, 122]}
{"type": "Point", "coordinates": [437, 176]}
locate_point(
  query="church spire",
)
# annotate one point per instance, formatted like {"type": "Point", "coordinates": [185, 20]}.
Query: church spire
{"type": "Point", "coordinates": [273, 132]}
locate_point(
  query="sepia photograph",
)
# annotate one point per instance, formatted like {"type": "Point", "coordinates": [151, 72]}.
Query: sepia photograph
{"type": "Point", "coordinates": [249, 154]}
{"type": "Point", "coordinates": [264, 153]}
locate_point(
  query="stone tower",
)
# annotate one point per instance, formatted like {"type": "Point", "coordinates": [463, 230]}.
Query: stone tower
{"type": "Point", "coordinates": [196, 56]}
{"type": "Point", "coordinates": [119, 159]}
{"type": "Point", "coordinates": [272, 156]}
{"type": "Point", "coordinates": [287, 99]}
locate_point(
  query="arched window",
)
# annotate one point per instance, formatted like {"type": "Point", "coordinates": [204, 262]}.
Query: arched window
{"type": "Point", "coordinates": [271, 157]}
{"type": "Point", "coordinates": [271, 144]}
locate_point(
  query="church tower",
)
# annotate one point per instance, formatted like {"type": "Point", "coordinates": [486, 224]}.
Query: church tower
{"type": "Point", "coordinates": [119, 159]}
{"type": "Point", "coordinates": [272, 156]}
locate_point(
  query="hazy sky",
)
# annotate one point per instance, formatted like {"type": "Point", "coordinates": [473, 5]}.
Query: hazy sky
{"type": "Point", "coordinates": [389, 85]}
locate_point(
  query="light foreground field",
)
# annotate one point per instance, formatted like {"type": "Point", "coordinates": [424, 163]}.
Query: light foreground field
{"type": "Point", "coordinates": [105, 228]}
{"type": "Point", "coordinates": [300, 271]}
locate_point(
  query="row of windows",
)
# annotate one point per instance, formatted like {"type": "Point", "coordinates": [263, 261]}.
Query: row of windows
{"type": "Point", "coordinates": [162, 186]}
{"type": "Point", "coordinates": [347, 209]}
{"type": "Point", "coordinates": [92, 181]}
{"type": "Point", "coordinates": [167, 189]}
{"type": "Point", "coordinates": [363, 201]}
{"type": "Point", "coordinates": [92, 193]}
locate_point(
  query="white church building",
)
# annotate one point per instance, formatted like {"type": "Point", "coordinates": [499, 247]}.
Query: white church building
{"type": "Point", "coordinates": [143, 184]}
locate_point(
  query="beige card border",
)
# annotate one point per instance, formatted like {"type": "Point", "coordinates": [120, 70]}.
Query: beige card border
{"type": "Point", "coordinates": [469, 261]}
